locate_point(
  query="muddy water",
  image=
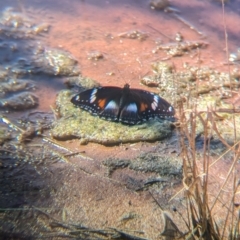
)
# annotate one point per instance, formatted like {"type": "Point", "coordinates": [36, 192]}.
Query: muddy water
{"type": "Point", "coordinates": [86, 26]}
{"type": "Point", "coordinates": [80, 190]}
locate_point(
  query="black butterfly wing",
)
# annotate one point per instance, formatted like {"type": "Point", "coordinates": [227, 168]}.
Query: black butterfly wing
{"type": "Point", "coordinates": [126, 105]}
{"type": "Point", "coordinates": [141, 106]}
{"type": "Point", "coordinates": [103, 102]}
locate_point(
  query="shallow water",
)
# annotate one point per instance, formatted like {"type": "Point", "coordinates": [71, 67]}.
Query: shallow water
{"type": "Point", "coordinates": [85, 26]}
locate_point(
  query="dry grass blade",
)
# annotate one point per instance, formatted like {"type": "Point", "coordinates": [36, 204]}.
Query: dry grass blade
{"type": "Point", "coordinates": [200, 219]}
{"type": "Point", "coordinates": [228, 175]}
{"type": "Point", "coordinates": [199, 208]}
{"type": "Point", "coordinates": [170, 230]}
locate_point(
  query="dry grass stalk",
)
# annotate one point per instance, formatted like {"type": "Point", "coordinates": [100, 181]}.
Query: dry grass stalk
{"type": "Point", "coordinates": [201, 219]}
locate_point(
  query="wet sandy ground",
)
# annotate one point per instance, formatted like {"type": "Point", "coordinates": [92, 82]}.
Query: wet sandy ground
{"type": "Point", "coordinates": [80, 190]}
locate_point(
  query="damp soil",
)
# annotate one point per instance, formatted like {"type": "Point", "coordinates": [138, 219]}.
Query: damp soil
{"type": "Point", "coordinates": [63, 187]}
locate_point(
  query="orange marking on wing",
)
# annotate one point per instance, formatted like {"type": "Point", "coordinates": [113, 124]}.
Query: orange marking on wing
{"type": "Point", "coordinates": [143, 107]}
{"type": "Point", "coordinates": [101, 103]}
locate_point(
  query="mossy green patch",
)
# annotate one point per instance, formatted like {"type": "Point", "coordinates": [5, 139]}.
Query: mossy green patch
{"type": "Point", "coordinates": [5, 135]}
{"type": "Point", "coordinates": [77, 123]}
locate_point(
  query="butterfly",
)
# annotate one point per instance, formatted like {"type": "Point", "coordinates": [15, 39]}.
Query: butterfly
{"type": "Point", "coordinates": [126, 105]}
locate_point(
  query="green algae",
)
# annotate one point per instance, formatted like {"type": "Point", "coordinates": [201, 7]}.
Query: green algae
{"type": "Point", "coordinates": [161, 171]}
{"type": "Point", "coordinates": [58, 62]}
{"type": "Point", "coordinates": [163, 165]}
{"type": "Point", "coordinates": [77, 123]}
{"type": "Point", "coordinates": [202, 92]}
{"type": "Point", "coordinates": [82, 82]}
{"type": "Point", "coordinates": [20, 101]}
{"type": "Point", "coordinates": [5, 135]}
{"type": "Point", "coordinates": [148, 162]}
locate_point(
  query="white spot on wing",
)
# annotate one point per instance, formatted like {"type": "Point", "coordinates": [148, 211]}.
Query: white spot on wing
{"type": "Point", "coordinates": [131, 107]}
{"type": "Point", "coordinates": [155, 102]}
{"type": "Point", "coordinates": [93, 95]}
{"type": "Point", "coordinates": [111, 105]}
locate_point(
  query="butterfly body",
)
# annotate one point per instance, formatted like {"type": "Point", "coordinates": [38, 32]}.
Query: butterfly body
{"type": "Point", "coordinates": [130, 106]}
